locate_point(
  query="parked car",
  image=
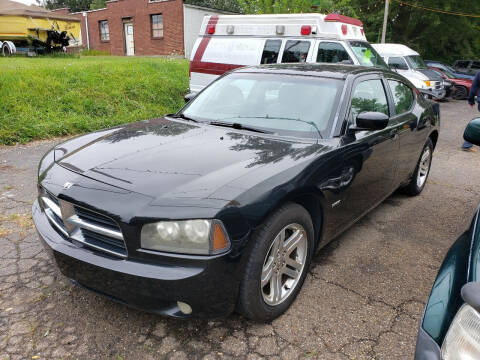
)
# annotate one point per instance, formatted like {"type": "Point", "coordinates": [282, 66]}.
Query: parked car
{"type": "Point", "coordinates": [409, 63]}
{"type": "Point", "coordinates": [450, 327]}
{"type": "Point", "coordinates": [444, 67]}
{"type": "Point", "coordinates": [222, 205]}
{"type": "Point", "coordinates": [228, 42]}
{"type": "Point", "coordinates": [468, 67]}
{"type": "Point", "coordinates": [461, 87]}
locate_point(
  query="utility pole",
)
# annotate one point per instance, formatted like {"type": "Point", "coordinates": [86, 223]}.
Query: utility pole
{"type": "Point", "coordinates": [385, 18]}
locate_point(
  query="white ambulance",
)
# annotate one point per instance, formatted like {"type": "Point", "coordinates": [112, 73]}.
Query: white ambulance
{"type": "Point", "coordinates": [230, 41]}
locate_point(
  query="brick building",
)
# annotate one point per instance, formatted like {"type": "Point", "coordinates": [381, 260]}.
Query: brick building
{"type": "Point", "coordinates": [142, 27]}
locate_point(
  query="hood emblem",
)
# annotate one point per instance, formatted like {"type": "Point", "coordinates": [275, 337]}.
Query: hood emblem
{"type": "Point", "coordinates": [67, 185]}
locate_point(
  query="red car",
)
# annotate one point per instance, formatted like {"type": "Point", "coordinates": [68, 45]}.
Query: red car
{"type": "Point", "coordinates": [461, 86]}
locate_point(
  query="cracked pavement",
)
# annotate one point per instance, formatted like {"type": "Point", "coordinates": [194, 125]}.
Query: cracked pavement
{"type": "Point", "coordinates": [363, 297]}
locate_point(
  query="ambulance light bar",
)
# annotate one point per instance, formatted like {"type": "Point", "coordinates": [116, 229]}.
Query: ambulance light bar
{"type": "Point", "coordinates": [343, 19]}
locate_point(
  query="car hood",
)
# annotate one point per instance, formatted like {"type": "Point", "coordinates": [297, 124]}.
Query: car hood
{"type": "Point", "coordinates": [178, 159]}
{"type": "Point", "coordinates": [430, 74]}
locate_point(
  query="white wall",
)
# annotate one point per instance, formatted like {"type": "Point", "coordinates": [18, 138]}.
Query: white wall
{"type": "Point", "coordinates": [192, 21]}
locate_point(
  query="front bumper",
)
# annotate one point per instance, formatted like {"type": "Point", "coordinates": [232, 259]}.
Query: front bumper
{"type": "Point", "coordinates": [438, 94]}
{"type": "Point", "coordinates": [202, 282]}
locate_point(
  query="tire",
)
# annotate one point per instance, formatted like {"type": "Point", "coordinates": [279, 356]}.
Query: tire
{"type": "Point", "coordinates": [420, 176]}
{"type": "Point", "coordinates": [460, 93]}
{"type": "Point", "coordinates": [264, 303]}
{"type": "Point", "coordinates": [6, 51]}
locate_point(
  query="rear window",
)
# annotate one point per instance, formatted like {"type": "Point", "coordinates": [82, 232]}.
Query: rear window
{"type": "Point", "coordinates": [475, 65]}
{"type": "Point", "coordinates": [461, 64]}
{"type": "Point", "coordinates": [295, 51]}
{"type": "Point", "coordinates": [331, 52]}
{"type": "Point", "coordinates": [271, 51]}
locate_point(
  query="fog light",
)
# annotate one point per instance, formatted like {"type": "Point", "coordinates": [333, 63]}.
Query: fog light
{"type": "Point", "coordinates": [184, 308]}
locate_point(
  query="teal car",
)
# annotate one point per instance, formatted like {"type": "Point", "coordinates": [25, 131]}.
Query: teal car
{"type": "Point", "coordinates": [450, 328]}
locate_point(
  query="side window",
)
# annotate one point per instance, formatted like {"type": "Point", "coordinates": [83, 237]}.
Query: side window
{"type": "Point", "coordinates": [402, 96]}
{"type": "Point", "coordinates": [295, 51]}
{"type": "Point", "coordinates": [397, 63]}
{"type": "Point", "coordinates": [369, 95]}
{"type": "Point", "coordinates": [270, 51]}
{"type": "Point", "coordinates": [475, 65]}
{"type": "Point", "coordinates": [331, 52]}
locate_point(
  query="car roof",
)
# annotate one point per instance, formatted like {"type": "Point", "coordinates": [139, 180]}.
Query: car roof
{"type": "Point", "coordinates": [336, 71]}
{"type": "Point", "coordinates": [394, 50]}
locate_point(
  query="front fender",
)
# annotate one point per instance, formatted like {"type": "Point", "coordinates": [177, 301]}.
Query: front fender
{"type": "Point", "coordinates": [445, 298]}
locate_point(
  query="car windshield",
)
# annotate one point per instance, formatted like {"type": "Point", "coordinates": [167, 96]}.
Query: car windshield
{"type": "Point", "coordinates": [449, 68]}
{"type": "Point", "coordinates": [449, 74]}
{"type": "Point", "coordinates": [416, 62]}
{"type": "Point", "coordinates": [366, 54]}
{"type": "Point", "coordinates": [287, 105]}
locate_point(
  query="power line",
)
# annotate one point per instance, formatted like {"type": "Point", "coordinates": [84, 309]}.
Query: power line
{"type": "Point", "coordinates": [456, 13]}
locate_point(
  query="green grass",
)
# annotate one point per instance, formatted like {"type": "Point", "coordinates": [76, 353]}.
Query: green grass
{"type": "Point", "coordinates": [46, 97]}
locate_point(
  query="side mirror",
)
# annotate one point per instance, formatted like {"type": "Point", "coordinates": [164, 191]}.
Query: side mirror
{"type": "Point", "coordinates": [472, 132]}
{"type": "Point", "coordinates": [189, 97]}
{"type": "Point", "coordinates": [371, 120]}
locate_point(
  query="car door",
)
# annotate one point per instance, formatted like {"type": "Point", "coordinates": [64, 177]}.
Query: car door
{"type": "Point", "coordinates": [411, 136]}
{"type": "Point", "coordinates": [370, 156]}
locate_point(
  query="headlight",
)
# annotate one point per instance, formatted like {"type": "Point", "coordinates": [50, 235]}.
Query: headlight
{"type": "Point", "coordinates": [427, 82]}
{"type": "Point", "coordinates": [203, 237]}
{"type": "Point", "coordinates": [462, 341]}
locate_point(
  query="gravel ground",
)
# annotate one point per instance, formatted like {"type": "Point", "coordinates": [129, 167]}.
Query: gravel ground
{"type": "Point", "coordinates": [363, 298]}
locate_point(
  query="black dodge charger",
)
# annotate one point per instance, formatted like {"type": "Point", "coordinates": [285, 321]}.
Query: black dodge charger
{"type": "Point", "coordinates": [221, 206]}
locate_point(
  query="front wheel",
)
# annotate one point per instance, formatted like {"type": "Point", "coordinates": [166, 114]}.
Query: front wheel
{"type": "Point", "coordinates": [278, 263]}
{"type": "Point", "coordinates": [460, 93]}
{"type": "Point", "coordinates": [419, 178]}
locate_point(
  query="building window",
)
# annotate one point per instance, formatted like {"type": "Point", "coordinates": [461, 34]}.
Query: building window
{"type": "Point", "coordinates": [104, 30]}
{"type": "Point", "coordinates": [157, 26]}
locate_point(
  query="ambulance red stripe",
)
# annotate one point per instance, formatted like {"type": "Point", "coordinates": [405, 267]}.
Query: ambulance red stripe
{"type": "Point", "coordinates": [199, 66]}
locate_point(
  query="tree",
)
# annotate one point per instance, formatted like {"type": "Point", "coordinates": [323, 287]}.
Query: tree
{"type": "Point", "coordinates": [73, 5]}
{"type": "Point", "coordinates": [98, 4]}
{"type": "Point", "coordinates": [227, 5]}
{"type": "Point", "coordinates": [434, 35]}
{"type": "Point", "coordinates": [296, 6]}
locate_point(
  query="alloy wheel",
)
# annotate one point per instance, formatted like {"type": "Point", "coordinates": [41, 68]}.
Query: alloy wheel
{"type": "Point", "coordinates": [284, 264]}
{"type": "Point", "coordinates": [423, 167]}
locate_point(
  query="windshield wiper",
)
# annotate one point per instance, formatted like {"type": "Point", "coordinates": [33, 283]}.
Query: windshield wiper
{"type": "Point", "coordinates": [182, 116]}
{"type": "Point", "coordinates": [239, 126]}
{"type": "Point", "coordinates": [311, 123]}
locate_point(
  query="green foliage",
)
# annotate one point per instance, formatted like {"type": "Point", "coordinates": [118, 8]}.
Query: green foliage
{"type": "Point", "coordinates": [434, 35]}
{"type": "Point", "coordinates": [73, 5]}
{"type": "Point", "coordinates": [295, 6]}
{"type": "Point", "coordinates": [93, 52]}
{"type": "Point", "coordinates": [98, 4]}
{"type": "Point", "coordinates": [46, 97]}
{"type": "Point", "coordinates": [227, 5]}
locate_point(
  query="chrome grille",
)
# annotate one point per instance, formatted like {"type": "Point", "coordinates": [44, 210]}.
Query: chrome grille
{"type": "Point", "coordinates": [88, 227]}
